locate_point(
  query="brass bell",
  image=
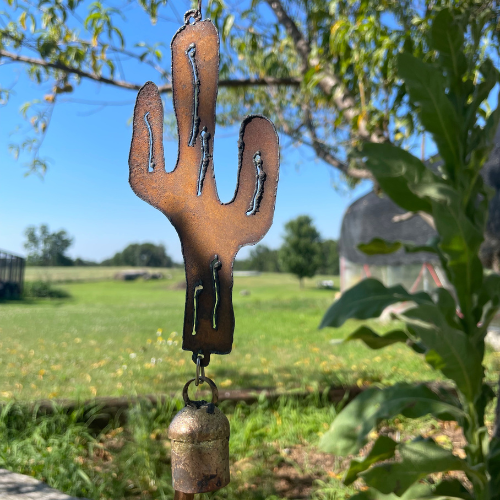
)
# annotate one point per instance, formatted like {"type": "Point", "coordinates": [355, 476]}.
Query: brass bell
{"type": "Point", "coordinates": [200, 445]}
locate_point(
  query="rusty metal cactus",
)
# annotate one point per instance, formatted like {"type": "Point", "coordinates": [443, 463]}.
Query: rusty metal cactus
{"type": "Point", "coordinates": [211, 232]}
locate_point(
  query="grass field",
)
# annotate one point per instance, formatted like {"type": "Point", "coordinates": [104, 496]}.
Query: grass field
{"type": "Point", "coordinates": [122, 338]}
{"type": "Point", "coordinates": [79, 274]}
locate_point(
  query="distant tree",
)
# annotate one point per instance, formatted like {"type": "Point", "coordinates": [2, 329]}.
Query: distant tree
{"type": "Point", "coordinates": [81, 262]}
{"type": "Point", "coordinates": [242, 265]}
{"type": "Point", "coordinates": [46, 248]}
{"type": "Point", "coordinates": [264, 259]}
{"type": "Point", "coordinates": [142, 255]}
{"type": "Point", "coordinates": [329, 257]}
{"type": "Point", "coordinates": [301, 251]}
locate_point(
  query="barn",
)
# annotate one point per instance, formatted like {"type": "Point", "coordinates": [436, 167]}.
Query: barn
{"type": "Point", "coordinates": [373, 216]}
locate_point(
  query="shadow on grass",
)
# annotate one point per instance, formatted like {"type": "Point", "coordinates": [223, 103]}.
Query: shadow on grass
{"type": "Point", "coordinates": [341, 377]}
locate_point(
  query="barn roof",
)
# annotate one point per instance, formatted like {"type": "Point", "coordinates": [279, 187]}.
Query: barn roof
{"type": "Point", "coordinates": [372, 217]}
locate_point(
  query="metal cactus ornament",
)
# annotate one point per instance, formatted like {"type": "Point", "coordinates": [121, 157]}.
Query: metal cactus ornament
{"type": "Point", "coordinates": [211, 232]}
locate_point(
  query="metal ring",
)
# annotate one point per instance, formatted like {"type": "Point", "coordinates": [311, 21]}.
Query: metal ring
{"type": "Point", "coordinates": [193, 13]}
{"type": "Point", "coordinates": [199, 370]}
{"type": "Point", "coordinates": [211, 383]}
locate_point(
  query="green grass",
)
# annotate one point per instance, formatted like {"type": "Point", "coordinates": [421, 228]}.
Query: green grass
{"type": "Point", "coordinates": [123, 338]}
{"type": "Point", "coordinates": [86, 273]}
{"type": "Point", "coordinates": [272, 452]}
{"type": "Point", "coordinates": [119, 338]}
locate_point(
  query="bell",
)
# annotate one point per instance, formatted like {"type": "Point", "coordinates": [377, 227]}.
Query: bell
{"type": "Point", "coordinates": [200, 445]}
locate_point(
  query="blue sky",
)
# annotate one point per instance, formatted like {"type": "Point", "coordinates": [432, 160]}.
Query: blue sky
{"type": "Point", "coordinates": [86, 191]}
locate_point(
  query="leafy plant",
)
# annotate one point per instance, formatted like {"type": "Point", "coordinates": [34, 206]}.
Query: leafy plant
{"type": "Point", "coordinates": [448, 327]}
{"type": "Point", "coordinates": [44, 290]}
{"type": "Point", "coordinates": [301, 251]}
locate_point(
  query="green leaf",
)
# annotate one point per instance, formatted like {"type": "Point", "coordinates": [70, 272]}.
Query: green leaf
{"type": "Point", "coordinates": [416, 492]}
{"type": "Point", "coordinates": [448, 349]}
{"type": "Point", "coordinates": [383, 449]}
{"type": "Point", "coordinates": [481, 91]}
{"type": "Point", "coordinates": [375, 341]}
{"type": "Point", "coordinates": [447, 37]}
{"type": "Point", "coordinates": [397, 172]}
{"type": "Point", "coordinates": [460, 242]}
{"type": "Point", "coordinates": [349, 431]}
{"type": "Point", "coordinates": [378, 246]}
{"type": "Point", "coordinates": [437, 115]}
{"type": "Point", "coordinates": [431, 246]}
{"type": "Point", "coordinates": [419, 458]}
{"type": "Point", "coordinates": [368, 299]}
{"type": "Point", "coordinates": [452, 488]}
{"type": "Point", "coordinates": [490, 294]}
{"type": "Point", "coordinates": [493, 462]}
{"type": "Point", "coordinates": [447, 305]}
{"type": "Point", "coordinates": [226, 28]}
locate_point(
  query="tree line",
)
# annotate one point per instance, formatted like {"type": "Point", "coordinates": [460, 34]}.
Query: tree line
{"type": "Point", "coordinates": [303, 252]}
{"type": "Point", "coordinates": [46, 248]}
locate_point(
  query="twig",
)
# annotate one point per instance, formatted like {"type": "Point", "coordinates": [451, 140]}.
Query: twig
{"type": "Point", "coordinates": [166, 88]}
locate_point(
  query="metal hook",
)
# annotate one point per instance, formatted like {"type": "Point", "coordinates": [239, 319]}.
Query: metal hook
{"type": "Point", "coordinates": [193, 13]}
{"type": "Point", "coordinates": [200, 372]}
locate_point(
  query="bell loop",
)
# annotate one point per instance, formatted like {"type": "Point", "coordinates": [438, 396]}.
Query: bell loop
{"type": "Point", "coordinates": [193, 13]}
{"type": "Point", "coordinates": [197, 404]}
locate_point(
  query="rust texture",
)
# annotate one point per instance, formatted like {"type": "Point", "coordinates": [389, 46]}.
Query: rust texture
{"type": "Point", "coordinates": [211, 232]}
{"type": "Point", "coordinates": [179, 495]}
{"type": "Point", "coordinates": [200, 446]}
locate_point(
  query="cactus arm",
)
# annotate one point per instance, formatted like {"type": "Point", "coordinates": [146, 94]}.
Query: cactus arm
{"type": "Point", "coordinates": [147, 174]}
{"type": "Point", "coordinates": [258, 174]}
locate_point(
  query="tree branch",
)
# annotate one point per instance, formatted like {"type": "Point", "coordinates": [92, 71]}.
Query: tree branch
{"type": "Point", "coordinates": [166, 88]}
{"type": "Point", "coordinates": [330, 83]}
{"type": "Point", "coordinates": [409, 215]}
{"type": "Point", "coordinates": [325, 154]}
{"type": "Point", "coordinates": [301, 45]}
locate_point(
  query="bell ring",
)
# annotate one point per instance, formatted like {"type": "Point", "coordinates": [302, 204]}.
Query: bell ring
{"type": "Point", "coordinates": [200, 444]}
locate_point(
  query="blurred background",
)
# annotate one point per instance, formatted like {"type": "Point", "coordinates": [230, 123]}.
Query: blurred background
{"type": "Point", "coordinates": [92, 277]}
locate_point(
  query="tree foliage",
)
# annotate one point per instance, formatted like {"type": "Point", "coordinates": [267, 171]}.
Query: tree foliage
{"type": "Point", "coordinates": [141, 255]}
{"type": "Point", "coordinates": [45, 248]}
{"type": "Point", "coordinates": [301, 252]}
{"type": "Point", "coordinates": [330, 258]}
{"type": "Point", "coordinates": [262, 259]}
{"type": "Point", "coordinates": [324, 70]}
{"type": "Point", "coordinates": [450, 97]}
{"type": "Point", "coordinates": [267, 260]}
